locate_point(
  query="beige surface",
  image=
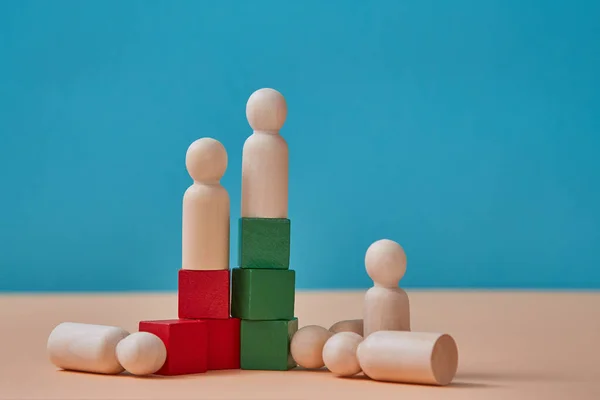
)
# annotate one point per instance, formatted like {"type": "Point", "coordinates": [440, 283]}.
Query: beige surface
{"type": "Point", "coordinates": [511, 346]}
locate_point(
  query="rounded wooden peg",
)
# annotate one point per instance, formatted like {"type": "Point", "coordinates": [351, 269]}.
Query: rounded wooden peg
{"type": "Point", "coordinates": [385, 262]}
{"type": "Point", "coordinates": [409, 357]}
{"type": "Point", "coordinates": [307, 346]}
{"type": "Point", "coordinates": [206, 160]}
{"type": "Point", "coordinates": [339, 353]}
{"type": "Point", "coordinates": [141, 353]}
{"type": "Point", "coordinates": [350, 325]}
{"type": "Point", "coordinates": [266, 110]}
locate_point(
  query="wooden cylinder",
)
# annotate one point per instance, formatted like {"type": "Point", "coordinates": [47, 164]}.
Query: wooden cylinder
{"type": "Point", "coordinates": [409, 357]}
{"type": "Point", "coordinates": [85, 347]}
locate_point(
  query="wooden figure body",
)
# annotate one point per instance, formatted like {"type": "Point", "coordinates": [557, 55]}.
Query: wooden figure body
{"type": "Point", "coordinates": [386, 309]}
{"type": "Point", "coordinates": [386, 306]}
{"type": "Point", "coordinates": [205, 225]}
{"type": "Point", "coordinates": [265, 157]}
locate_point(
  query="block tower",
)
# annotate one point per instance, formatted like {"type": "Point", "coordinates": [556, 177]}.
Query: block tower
{"type": "Point", "coordinates": [204, 337]}
{"type": "Point", "coordinates": [263, 285]}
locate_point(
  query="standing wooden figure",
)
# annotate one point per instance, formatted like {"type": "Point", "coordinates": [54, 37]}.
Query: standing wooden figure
{"type": "Point", "coordinates": [386, 306]}
{"type": "Point", "coordinates": [265, 157]}
{"type": "Point", "coordinates": [205, 233]}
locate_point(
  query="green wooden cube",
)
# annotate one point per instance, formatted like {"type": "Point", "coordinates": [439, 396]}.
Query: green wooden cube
{"type": "Point", "coordinates": [264, 243]}
{"type": "Point", "coordinates": [265, 345]}
{"type": "Point", "coordinates": [262, 294]}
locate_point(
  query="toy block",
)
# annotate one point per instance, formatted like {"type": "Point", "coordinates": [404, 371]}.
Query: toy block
{"type": "Point", "coordinates": [203, 294]}
{"type": "Point", "coordinates": [264, 243]}
{"type": "Point", "coordinates": [266, 344]}
{"type": "Point", "coordinates": [263, 294]}
{"type": "Point", "coordinates": [186, 342]}
{"type": "Point", "coordinates": [223, 343]}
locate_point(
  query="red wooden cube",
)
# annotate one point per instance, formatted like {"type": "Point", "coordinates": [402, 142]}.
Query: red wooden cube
{"type": "Point", "coordinates": [186, 342]}
{"type": "Point", "coordinates": [203, 294]}
{"type": "Point", "coordinates": [223, 343]}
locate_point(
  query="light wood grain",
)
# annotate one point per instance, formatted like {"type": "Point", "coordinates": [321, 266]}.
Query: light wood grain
{"type": "Point", "coordinates": [340, 353]}
{"type": "Point", "coordinates": [307, 346]}
{"type": "Point", "coordinates": [512, 346]}
{"type": "Point", "coordinates": [85, 347]}
{"type": "Point", "coordinates": [386, 306]}
{"type": "Point", "coordinates": [351, 325]}
{"type": "Point", "coordinates": [409, 357]}
{"type": "Point", "coordinates": [265, 157]}
{"type": "Point", "coordinates": [141, 353]}
{"type": "Point", "coordinates": [205, 217]}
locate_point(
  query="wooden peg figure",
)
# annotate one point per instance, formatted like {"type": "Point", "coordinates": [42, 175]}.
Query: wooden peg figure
{"type": "Point", "coordinates": [205, 234]}
{"type": "Point", "coordinates": [265, 157]}
{"type": "Point", "coordinates": [386, 306]}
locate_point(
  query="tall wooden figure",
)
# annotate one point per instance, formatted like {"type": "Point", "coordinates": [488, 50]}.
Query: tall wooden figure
{"type": "Point", "coordinates": [386, 306]}
{"type": "Point", "coordinates": [265, 157]}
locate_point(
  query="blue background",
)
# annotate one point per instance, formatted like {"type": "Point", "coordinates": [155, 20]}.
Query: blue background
{"type": "Point", "coordinates": [466, 130]}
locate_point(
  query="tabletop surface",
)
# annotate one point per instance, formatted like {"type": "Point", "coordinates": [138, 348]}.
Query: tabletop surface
{"type": "Point", "coordinates": [511, 346]}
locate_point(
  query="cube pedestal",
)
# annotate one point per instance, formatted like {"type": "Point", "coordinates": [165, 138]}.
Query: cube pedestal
{"type": "Point", "coordinates": [263, 294]}
{"type": "Point", "coordinates": [203, 294]}
{"type": "Point", "coordinates": [264, 243]}
{"type": "Point", "coordinates": [266, 344]}
{"type": "Point", "coordinates": [223, 343]}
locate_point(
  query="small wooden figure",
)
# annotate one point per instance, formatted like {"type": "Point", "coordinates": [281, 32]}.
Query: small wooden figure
{"type": "Point", "coordinates": [205, 225]}
{"type": "Point", "coordinates": [141, 353]}
{"type": "Point", "coordinates": [265, 157]}
{"type": "Point", "coordinates": [386, 306]}
{"type": "Point", "coordinates": [307, 346]}
{"type": "Point", "coordinates": [86, 347]}
{"type": "Point", "coordinates": [409, 357]}
{"type": "Point", "coordinates": [339, 353]}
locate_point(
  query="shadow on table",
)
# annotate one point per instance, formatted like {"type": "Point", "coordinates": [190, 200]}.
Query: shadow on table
{"type": "Point", "coordinates": [458, 382]}
{"type": "Point", "coordinates": [127, 375]}
{"type": "Point", "coordinates": [455, 384]}
{"type": "Point", "coordinates": [512, 376]}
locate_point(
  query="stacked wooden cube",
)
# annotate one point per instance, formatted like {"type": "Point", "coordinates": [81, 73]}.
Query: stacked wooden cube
{"type": "Point", "coordinates": [263, 291]}
{"type": "Point", "coordinates": [205, 337]}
